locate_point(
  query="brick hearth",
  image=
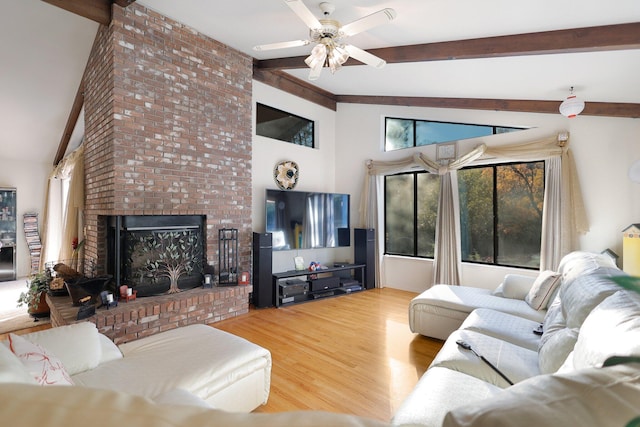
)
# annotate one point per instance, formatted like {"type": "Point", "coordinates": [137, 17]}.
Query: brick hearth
{"type": "Point", "coordinates": [147, 316]}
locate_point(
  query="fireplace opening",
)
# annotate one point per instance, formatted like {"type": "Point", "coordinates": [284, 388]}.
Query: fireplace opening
{"type": "Point", "coordinates": [156, 254]}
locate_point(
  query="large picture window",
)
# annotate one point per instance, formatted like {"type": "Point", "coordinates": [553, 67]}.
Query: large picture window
{"type": "Point", "coordinates": [500, 213]}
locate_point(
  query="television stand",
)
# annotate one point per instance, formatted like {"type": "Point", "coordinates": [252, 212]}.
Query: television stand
{"type": "Point", "coordinates": [304, 285]}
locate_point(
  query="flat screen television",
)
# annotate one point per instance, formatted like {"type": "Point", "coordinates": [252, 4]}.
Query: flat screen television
{"type": "Point", "coordinates": [307, 220]}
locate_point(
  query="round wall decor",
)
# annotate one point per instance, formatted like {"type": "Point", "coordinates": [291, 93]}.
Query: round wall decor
{"type": "Point", "coordinates": [286, 174]}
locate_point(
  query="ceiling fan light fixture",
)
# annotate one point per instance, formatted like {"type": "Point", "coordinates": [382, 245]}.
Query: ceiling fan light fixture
{"type": "Point", "coordinates": [572, 106]}
{"type": "Point", "coordinates": [318, 56]}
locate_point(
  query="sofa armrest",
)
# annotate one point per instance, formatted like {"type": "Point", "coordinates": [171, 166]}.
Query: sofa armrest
{"type": "Point", "coordinates": [516, 286]}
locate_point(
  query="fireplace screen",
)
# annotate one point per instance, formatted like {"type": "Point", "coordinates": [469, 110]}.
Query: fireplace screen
{"type": "Point", "coordinates": [158, 254]}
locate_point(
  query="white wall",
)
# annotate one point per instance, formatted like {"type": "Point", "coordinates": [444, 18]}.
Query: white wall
{"type": "Point", "coordinates": [604, 148]}
{"type": "Point", "coordinates": [317, 167]}
{"type": "Point", "coordinates": [29, 178]}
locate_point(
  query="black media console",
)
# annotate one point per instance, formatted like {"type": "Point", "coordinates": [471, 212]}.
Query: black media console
{"type": "Point", "coordinates": [296, 286]}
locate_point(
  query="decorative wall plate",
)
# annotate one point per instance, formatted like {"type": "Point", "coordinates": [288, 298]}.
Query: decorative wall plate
{"type": "Point", "coordinates": [286, 174]}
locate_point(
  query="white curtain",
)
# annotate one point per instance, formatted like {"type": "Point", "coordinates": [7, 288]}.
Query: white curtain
{"type": "Point", "coordinates": [569, 222]}
{"type": "Point", "coordinates": [446, 258]}
{"type": "Point", "coordinates": [63, 217]}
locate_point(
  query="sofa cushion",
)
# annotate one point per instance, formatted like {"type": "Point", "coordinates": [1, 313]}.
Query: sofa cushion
{"type": "Point", "coordinates": [77, 345]}
{"type": "Point", "coordinates": [464, 299]}
{"type": "Point", "coordinates": [12, 370]}
{"type": "Point", "coordinates": [612, 329]}
{"type": "Point", "coordinates": [178, 396]}
{"type": "Point", "coordinates": [439, 391]}
{"type": "Point", "coordinates": [515, 362]}
{"type": "Point", "coordinates": [592, 397]}
{"type": "Point", "coordinates": [44, 366]}
{"type": "Point", "coordinates": [200, 359]}
{"type": "Point", "coordinates": [542, 289]}
{"type": "Point", "coordinates": [578, 263]}
{"type": "Point", "coordinates": [580, 296]}
{"type": "Point", "coordinates": [553, 353]}
{"type": "Point", "coordinates": [514, 329]}
{"type": "Point", "coordinates": [33, 406]}
{"type": "Point", "coordinates": [109, 351]}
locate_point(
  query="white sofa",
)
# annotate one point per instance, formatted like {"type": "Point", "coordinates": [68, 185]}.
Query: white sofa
{"type": "Point", "coordinates": [558, 375]}
{"type": "Point", "coordinates": [441, 309]}
{"type": "Point", "coordinates": [223, 370]}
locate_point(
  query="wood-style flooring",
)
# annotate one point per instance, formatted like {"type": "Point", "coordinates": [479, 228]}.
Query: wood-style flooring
{"type": "Point", "coordinates": [351, 354]}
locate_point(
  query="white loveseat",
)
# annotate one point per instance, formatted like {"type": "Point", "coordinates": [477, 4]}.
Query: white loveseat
{"type": "Point", "coordinates": [209, 365]}
{"type": "Point", "coordinates": [558, 375]}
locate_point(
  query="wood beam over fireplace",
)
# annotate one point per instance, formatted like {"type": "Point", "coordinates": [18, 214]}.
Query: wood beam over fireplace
{"type": "Point", "coordinates": [95, 10]}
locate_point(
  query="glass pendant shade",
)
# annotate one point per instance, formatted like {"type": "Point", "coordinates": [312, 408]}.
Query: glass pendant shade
{"type": "Point", "coordinates": [572, 106]}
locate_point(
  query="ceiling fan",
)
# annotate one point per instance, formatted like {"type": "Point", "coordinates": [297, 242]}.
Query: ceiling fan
{"type": "Point", "coordinates": [328, 34]}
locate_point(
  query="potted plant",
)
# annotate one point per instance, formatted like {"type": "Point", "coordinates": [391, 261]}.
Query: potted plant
{"type": "Point", "coordinates": [34, 298]}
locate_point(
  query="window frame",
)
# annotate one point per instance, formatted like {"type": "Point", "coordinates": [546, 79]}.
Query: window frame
{"type": "Point", "coordinates": [416, 241]}
{"type": "Point", "coordinates": [312, 123]}
{"type": "Point", "coordinates": [496, 237]}
{"type": "Point", "coordinates": [415, 131]}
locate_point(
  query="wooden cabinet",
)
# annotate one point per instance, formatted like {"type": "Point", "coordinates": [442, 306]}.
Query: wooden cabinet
{"type": "Point", "coordinates": [8, 214]}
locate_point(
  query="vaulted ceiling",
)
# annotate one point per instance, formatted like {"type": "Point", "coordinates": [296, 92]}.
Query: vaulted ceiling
{"type": "Point", "coordinates": [494, 54]}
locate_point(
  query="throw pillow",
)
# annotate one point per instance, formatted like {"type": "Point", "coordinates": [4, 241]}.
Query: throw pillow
{"type": "Point", "coordinates": [11, 369]}
{"type": "Point", "coordinates": [516, 286]}
{"type": "Point", "coordinates": [77, 346]}
{"type": "Point", "coordinates": [542, 289]}
{"type": "Point", "coordinates": [46, 368]}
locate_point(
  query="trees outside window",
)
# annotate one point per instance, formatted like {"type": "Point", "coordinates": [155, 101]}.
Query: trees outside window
{"type": "Point", "coordinates": [500, 213]}
{"type": "Point", "coordinates": [410, 213]}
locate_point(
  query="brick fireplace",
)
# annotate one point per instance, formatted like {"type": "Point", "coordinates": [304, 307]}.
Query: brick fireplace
{"type": "Point", "coordinates": [167, 129]}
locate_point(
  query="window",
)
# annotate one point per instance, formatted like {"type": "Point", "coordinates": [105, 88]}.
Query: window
{"type": "Point", "coordinates": [410, 213]}
{"type": "Point", "coordinates": [407, 133]}
{"type": "Point", "coordinates": [500, 213]}
{"type": "Point", "coordinates": [277, 124]}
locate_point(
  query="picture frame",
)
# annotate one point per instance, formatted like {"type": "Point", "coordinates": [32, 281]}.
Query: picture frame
{"type": "Point", "coordinates": [299, 263]}
{"type": "Point", "coordinates": [446, 153]}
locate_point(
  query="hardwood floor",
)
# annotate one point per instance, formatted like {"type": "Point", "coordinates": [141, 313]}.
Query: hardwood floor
{"type": "Point", "coordinates": [352, 354]}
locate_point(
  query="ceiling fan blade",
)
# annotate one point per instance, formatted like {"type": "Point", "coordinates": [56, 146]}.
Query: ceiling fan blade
{"type": "Point", "coordinates": [304, 13]}
{"type": "Point", "coordinates": [363, 24]}
{"type": "Point", "coordinates": [281, 45]}
{"type": "Point", "coordinates": [365, 57]}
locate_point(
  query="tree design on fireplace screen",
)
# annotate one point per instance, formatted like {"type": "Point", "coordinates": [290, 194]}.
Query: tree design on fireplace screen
{"type": "Point", "coordinates": [160, 255]}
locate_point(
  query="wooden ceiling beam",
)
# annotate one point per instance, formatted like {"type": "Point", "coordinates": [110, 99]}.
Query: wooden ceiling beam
{"type": "Point", "coordinates": [606, 109]}
{"type": "Point", "coordinates": [589, 39]}
{"type": "Point", "coordinates": [288, 83]}
{"type": "Point", "coordinates": [76, 108]}
{"type": "Point", "coordinates": [95, 10]}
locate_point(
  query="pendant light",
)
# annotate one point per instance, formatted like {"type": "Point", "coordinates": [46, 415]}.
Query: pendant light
{"type": "Point", "coordinates": [572, 106]}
